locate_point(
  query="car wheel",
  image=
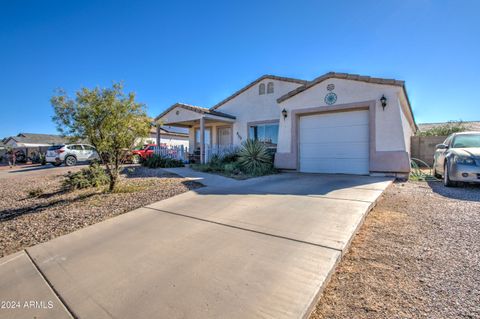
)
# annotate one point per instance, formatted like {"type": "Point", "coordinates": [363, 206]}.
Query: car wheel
{"type": "Point", "coordinates": [446, 178]}
{"type": "Point", "coordinates": [56, 164]}
{"type": "Point", "coordinates": [70, 161]}
{"type": "Point", "coordinates": [136, 159]}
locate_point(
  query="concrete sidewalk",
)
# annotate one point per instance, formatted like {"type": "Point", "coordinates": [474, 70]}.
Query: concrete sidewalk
{"type": "Point", "coordinates": [235, 249]}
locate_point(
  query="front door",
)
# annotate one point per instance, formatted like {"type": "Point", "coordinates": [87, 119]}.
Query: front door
{"type": "Point", "coordinates": [224, 136]}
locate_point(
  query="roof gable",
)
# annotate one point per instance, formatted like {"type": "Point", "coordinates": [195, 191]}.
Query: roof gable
{"type": "Point", "coordinates": [194, 108]}
{"type": "Point", "coordinates": [263, 77]}
{"type": "Point", "coordinates": [351, 77]}
{"type": "Point", "coordinates": [344, 76]}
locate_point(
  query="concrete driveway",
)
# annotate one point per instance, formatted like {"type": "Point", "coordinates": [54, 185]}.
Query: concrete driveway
{"type": "Point", "coordinates": [262, 248]}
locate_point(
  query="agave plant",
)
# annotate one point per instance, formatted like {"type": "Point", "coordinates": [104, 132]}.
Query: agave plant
{"type": "Point", "coordinates": [254, 158]}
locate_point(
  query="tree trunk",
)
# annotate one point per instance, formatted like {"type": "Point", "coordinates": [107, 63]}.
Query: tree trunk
{"type": "Point", "coordinates": [113, 181]}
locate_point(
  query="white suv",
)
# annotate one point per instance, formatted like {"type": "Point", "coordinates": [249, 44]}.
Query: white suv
{"type": "Point", "coordinates": [70, 154]}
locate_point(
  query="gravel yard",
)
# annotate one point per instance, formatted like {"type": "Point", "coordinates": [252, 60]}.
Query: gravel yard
{"type": "Point", "coordinates": [28, 219]}
{"type": "Point", "coordinates": [416, 256]}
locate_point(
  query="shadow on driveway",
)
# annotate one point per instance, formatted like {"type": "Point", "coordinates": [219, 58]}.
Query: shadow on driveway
{"type": "Point", "coordinates": [300, 184]}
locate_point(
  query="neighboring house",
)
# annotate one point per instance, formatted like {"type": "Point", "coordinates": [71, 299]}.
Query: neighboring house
{"type": "Point", "coordinates": [336, 123]}
{"type": "Point", "coordinates": [169, 136]}
{"type": "Point", "coordinates": [3, 150]}
{"type": "Point", "coordinates": [31, 142]}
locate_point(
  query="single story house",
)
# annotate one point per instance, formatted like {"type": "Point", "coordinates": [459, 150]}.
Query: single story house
{"type": "Point", "coordinates": [336, 123]}
{"type": "Point", "coordinates": [3, 150]}
{"type": "Point", "coordinates": [32, 142]}
{"type": "Point", "coordinates": [169, 136]}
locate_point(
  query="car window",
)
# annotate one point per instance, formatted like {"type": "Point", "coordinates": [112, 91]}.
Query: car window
{"type": "Point", "coordinates": [55, 147]}
{"type": "Point", "coordinates": [150, 148]}
{"type": "Point", "coordinates": [447, 141]}
{"type": "Point", "coordinates": [75, 147]}
{"type": "Point", "coordinates": [89, 148]}
{"type": "Point", "coordinates": [466, 141]}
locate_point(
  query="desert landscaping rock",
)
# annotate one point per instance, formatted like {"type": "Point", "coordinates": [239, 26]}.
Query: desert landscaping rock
{"type": "Point", "coordinates": [416, 256]}
{"type": "Point", "coordinates": [27, 220]}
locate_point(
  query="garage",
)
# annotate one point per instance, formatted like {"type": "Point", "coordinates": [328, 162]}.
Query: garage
{"type": "Point", "coordinates": [334, 142]}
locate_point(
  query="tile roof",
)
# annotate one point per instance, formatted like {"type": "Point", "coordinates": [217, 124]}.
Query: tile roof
{"type": "Point", "coordinates": [179, 131]}
{"type": "Point", "coordinates": [34, 138]}
{"type": "Point", "coordinates": [198, 109]}
{"type": "Point", "coordinates": [345, 76]}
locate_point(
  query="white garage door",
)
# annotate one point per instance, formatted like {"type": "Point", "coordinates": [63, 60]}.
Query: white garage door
{"type": "Point", "coordinates": [334, 143]}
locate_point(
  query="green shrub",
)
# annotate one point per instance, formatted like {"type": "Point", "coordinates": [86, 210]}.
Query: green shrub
{"type": "Point", "coordinates": [157, 161]}
{"type": "Point", "coordinates": [255, 159]}
{"type": "Point", "coordinates": [232, 168]}
{"type": "Point", "coordinates": [216, 161]}
{"type": "Point", "coordinates": [93, 176]}
{"type": "Point", "coordinates": [230, 157]}
{"type": "Point", "coordinates": [445, 129]}
{"type": "Point", "coordinates": [35, 192]}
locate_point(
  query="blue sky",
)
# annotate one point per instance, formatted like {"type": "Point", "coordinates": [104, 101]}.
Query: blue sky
{"type": "Point", "coordinates": [199, 52]}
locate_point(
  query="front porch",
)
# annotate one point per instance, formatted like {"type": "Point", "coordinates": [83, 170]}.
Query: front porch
{"type": "Point", "coordinates": [210, 132]}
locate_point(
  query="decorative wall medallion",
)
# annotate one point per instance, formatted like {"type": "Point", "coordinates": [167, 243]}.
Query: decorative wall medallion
{"type": "Point", "coordinates": [330, 98]}
{"type": "Point", "coordinates": [331, 87]}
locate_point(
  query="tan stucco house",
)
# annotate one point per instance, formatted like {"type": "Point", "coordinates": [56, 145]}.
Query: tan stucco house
{"type": "Point", "coordinates": [336, 123]}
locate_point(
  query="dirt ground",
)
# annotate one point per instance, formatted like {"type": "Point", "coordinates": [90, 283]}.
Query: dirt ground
{"type": "Point", "coordinates": [416, 256]}
{"type": "Point", "coordinates": [27, 219]}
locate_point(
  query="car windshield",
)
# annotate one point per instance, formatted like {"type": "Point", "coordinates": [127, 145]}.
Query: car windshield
{"type": "Point", "coordinates": [55, 147]}
{"type": "Point", "coordinates": [466, 141]}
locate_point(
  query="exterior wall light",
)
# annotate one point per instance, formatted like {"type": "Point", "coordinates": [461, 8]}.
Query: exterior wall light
{"type": "Point", "coordinates": [383, 100]}
{"type": "Point", "coordinates": [284, 113]}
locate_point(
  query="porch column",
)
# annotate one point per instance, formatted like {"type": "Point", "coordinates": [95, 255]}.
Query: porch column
{"type": "Point", "coordinates": [202, 140]}
{"type": "Point", "coordinates": [158, 135]}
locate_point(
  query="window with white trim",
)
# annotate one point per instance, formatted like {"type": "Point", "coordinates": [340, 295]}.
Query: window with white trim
{"type": "Point", "coordinates": [266, 133]}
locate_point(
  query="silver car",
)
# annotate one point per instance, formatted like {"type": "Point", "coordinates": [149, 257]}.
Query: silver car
{"type": "Point", "coordinates": [70, 154]}
{"type": "Point", "coordinates": [458, 159]}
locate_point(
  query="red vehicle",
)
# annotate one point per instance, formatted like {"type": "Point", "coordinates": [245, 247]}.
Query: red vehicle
{"type": "Point", "coordinates": [142, 154]}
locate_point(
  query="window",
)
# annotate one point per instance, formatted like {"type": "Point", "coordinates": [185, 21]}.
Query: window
{"type": "Point", "coordinates": [55, 147]}
{"type": "Point", "coordinates": [89, 148]}
{"type": "Point", "coordinates": [466, 141]}
{"type": "Point", "coordinates": [266, 133]}
{"type": "Point", "coordinates": [208, 137]}
{"type": "Point", "coordinates": [75, 147]}
{"type": "Point", "coordinates": [270, 88]}
{"type": "Point", "coordinates": [447, 141]}
{"type": "Point", "coordinates": [261, 89]}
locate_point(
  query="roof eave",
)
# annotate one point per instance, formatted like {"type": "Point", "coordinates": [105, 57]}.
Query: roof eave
{"type": "Point", "coordinates": [342, 76]}
{"type": "Point", "coordinates": [196, 109]}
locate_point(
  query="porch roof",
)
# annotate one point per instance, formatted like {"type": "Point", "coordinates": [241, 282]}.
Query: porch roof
{"type": "Point", "coordinates": [194, 114]}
